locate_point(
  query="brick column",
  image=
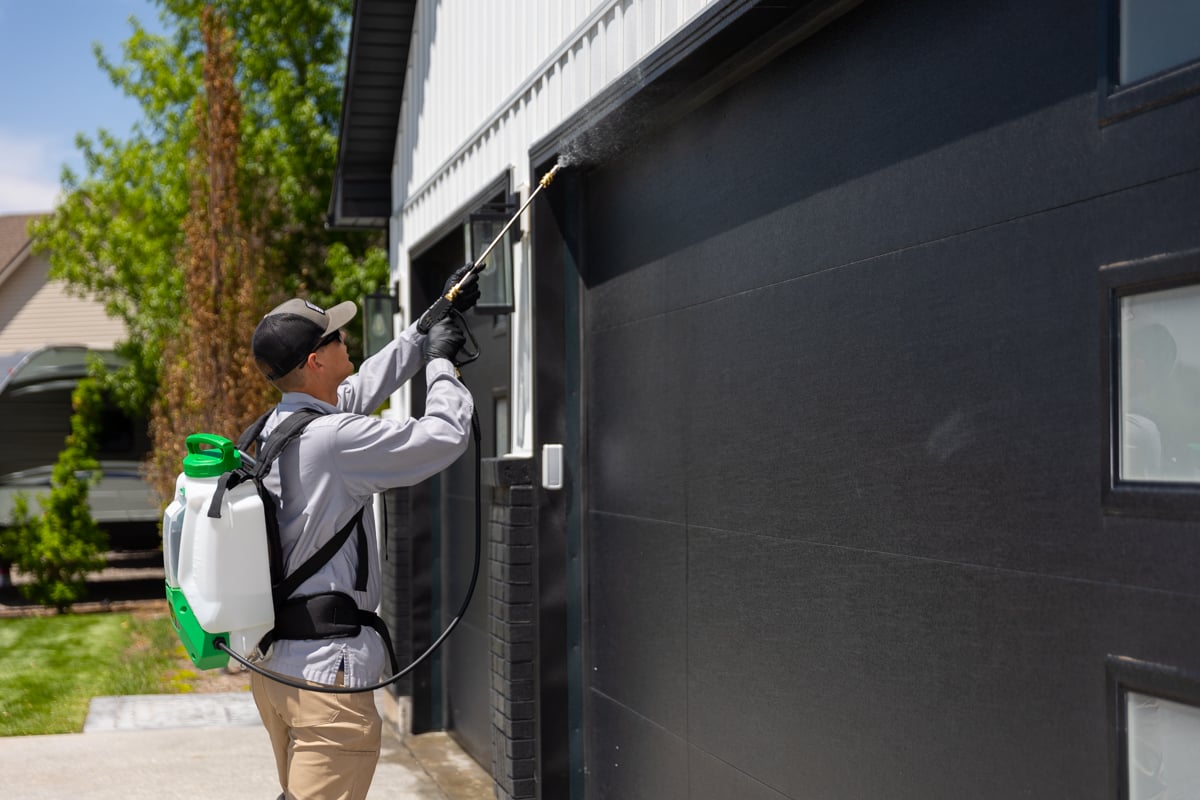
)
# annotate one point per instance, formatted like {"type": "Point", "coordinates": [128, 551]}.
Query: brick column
{"type": "Point", "coordinates": [396, 574]}
{"type": "Point", "coordinates": [512, 604]}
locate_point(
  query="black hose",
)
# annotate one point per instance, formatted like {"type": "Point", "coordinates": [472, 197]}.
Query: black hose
{"type": "Point", "coordinates": [286, 680]}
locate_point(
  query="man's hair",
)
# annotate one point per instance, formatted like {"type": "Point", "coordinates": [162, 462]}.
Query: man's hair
{"type": "Point", "coordinates": [291, 382]}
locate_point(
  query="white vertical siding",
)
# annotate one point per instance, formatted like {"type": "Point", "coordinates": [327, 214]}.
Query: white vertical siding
{"type": "Point", "coordinates": [485, 81]}
{"type": "Point", "coordinates": [488, 79]}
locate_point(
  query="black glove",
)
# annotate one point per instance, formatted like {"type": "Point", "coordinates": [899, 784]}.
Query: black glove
{"type": "Point", "coordinates": [444, 340]}
{"type": "Point", "coordinates": [468, 296]}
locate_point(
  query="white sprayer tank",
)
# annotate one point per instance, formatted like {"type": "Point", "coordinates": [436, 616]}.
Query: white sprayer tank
{"type": "Point", "coordinates": [223, 569]}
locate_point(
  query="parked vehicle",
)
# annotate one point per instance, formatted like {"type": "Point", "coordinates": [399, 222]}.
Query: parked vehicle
{"type": "Point", "coordinates": [35, 419]}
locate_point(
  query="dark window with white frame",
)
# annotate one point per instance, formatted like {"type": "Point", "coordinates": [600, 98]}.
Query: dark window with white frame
{"type": "Point", "coordinates": [1152, 56]}
{"type": "Point", "coordinates": [1152, 357]}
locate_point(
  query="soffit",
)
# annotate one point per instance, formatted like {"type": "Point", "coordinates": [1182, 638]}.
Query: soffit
{"type": "Point", "coordinates": [380, 37]}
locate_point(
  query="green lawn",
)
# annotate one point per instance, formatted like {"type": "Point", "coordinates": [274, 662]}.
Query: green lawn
{"type": "Point", "coordinates": [51, 667]}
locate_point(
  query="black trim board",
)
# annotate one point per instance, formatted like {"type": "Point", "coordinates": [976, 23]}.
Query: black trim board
{"type": "Point", "coordinates": [456, 219]}
{"type": "Point", "coordinates": [701, 60]}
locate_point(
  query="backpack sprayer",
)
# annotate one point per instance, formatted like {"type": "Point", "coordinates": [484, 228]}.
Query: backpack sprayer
{"type": "Point", "coordinates": [220, 538]}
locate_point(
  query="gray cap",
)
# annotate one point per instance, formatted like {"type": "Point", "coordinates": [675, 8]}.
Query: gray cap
{"type": "Point", "coordinates": [292, 330]}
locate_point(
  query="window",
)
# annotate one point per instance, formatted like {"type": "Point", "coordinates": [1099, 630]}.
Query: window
{"type": "Point", "coordinates": [1159, 371]}
{"type": "Point", "coordinates": [1162, 738]}
{"type": "Point", "coordinates": [482, 229]}
{"type": "Point", "coordinates": [1155, 711]}
{"type": "Point", "coordinates": [1156, 35]}
{"type": "Point", "coordinates": [1151, 335]}
{"type": "Point", "coordinates": [500, 408]}
{"type": "Point", "coordinates": [1152, 57]}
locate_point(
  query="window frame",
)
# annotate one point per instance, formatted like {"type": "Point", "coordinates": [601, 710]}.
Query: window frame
{"type": "Point", "coordinates": [1165, 499]}
{"type": "Point", "coordinates": [1124, 675]}
{"type": "Point", "coordinates": [1118, 102]}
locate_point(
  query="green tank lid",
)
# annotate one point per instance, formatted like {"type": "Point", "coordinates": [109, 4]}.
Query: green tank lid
{"type": "Point", "coordinates": [210, 455]}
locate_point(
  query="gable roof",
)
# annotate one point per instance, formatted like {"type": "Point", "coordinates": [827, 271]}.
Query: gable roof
{"type": "Point", "coordinates": [37, 310]}
{"type": "Point", "coordinates": [14, 239]}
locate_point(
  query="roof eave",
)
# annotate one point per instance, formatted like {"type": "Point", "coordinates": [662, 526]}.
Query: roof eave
{"type": "Point", "coordinates": [380, 37]}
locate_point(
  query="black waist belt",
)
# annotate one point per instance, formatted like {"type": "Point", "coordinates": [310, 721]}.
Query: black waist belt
{"type": "Point", "coordinates": [329, 615]}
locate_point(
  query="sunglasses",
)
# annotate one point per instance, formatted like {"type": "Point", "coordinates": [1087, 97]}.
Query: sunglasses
{"type": "Point", "coordinates": [336, 336]}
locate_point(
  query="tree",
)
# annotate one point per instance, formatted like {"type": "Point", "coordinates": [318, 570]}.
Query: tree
{"type": "Point", "coordinates": [123, 232]}
{"type": "Point", "coordinates": [209, 381]}
{"type": "Point", "coordinates": [60, 546]}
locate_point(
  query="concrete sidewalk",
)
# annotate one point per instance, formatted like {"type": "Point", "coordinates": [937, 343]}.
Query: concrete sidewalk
{"type": "Point", "coordinates": [209, 745]}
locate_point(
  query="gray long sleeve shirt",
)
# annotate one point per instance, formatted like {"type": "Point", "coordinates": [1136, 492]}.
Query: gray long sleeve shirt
{"type": "Point", "coordinates": [335, 467]}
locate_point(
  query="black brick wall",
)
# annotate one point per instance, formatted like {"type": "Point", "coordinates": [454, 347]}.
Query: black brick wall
{"type": "Point", "coordinates": [396, 573]}
{"type": "Point", "coordinates": [511, 621]}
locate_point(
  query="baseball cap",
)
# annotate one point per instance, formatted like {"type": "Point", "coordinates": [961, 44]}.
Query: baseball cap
{"type": "Point", "coordinates": [292, 330]}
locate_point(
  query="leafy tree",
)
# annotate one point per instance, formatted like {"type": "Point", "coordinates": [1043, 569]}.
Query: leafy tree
{"type": "Point", "coordinates": [209, 381]}
{"type": "Point", "coordinates": [63, 544]}
{"type": "Point", "coordinates": [127, 232]}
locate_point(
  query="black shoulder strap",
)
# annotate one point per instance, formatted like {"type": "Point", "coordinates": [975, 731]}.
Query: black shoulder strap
{"type": "Point", "coordinates": [282, 591]}
{"type": "Point", "coordinates": [287, 430]}
{"type": "Point", "coordinates": [251, 434]}
{"type": "Point", "coordinates": [266, 453]}
{"type": "Point", "coordinates": [284, 433]}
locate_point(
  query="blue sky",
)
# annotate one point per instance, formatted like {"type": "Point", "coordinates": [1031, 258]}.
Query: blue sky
{"type": "Point", "coordinates": [51, 89]}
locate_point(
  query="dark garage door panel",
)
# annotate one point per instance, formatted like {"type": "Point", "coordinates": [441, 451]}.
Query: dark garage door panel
{"type": "Point", "coordinates": [844, 438]}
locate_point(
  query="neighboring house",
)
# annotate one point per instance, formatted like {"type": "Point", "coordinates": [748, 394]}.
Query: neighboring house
{"type": "Point", "coordinates": [870, 335]}
{"type": "Point", "coordinates": [46, 336]}
{"type": "Point", "coordinates": [36, 311]}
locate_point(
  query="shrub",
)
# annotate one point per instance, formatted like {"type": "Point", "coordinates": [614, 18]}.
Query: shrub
{"type": "Point", "coordinates": [59, 547]}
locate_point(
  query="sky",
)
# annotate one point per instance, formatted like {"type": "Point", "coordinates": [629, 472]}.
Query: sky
{"type": "Point", "coordinates": [52, 89]}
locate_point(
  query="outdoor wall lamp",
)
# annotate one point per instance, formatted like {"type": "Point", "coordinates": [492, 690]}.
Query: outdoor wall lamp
{"type": "Point", "coordinates": [379, 309]}
{"type": "Point", "coordinates": [496, 279]}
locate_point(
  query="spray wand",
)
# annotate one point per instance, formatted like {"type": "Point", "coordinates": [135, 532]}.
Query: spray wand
{"type": "Point", "coordinates": [442, 305]}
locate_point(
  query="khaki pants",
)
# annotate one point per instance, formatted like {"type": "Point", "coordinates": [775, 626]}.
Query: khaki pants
{"type": "Point", "coordinates": [326, 745]}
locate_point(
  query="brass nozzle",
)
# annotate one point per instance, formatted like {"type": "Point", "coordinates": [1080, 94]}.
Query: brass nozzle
{"type": "Point", "coordinates": [549, 176]}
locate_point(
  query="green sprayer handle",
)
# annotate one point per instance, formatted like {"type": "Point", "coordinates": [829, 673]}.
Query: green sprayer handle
{"type": "Point", "coordinates": [198, 442]}
{"type": "Point", "coordinates": [210, 455]}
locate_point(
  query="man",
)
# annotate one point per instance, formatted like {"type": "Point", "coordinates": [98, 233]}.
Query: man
{"type": "Point", "coordinates": [327, 745]}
